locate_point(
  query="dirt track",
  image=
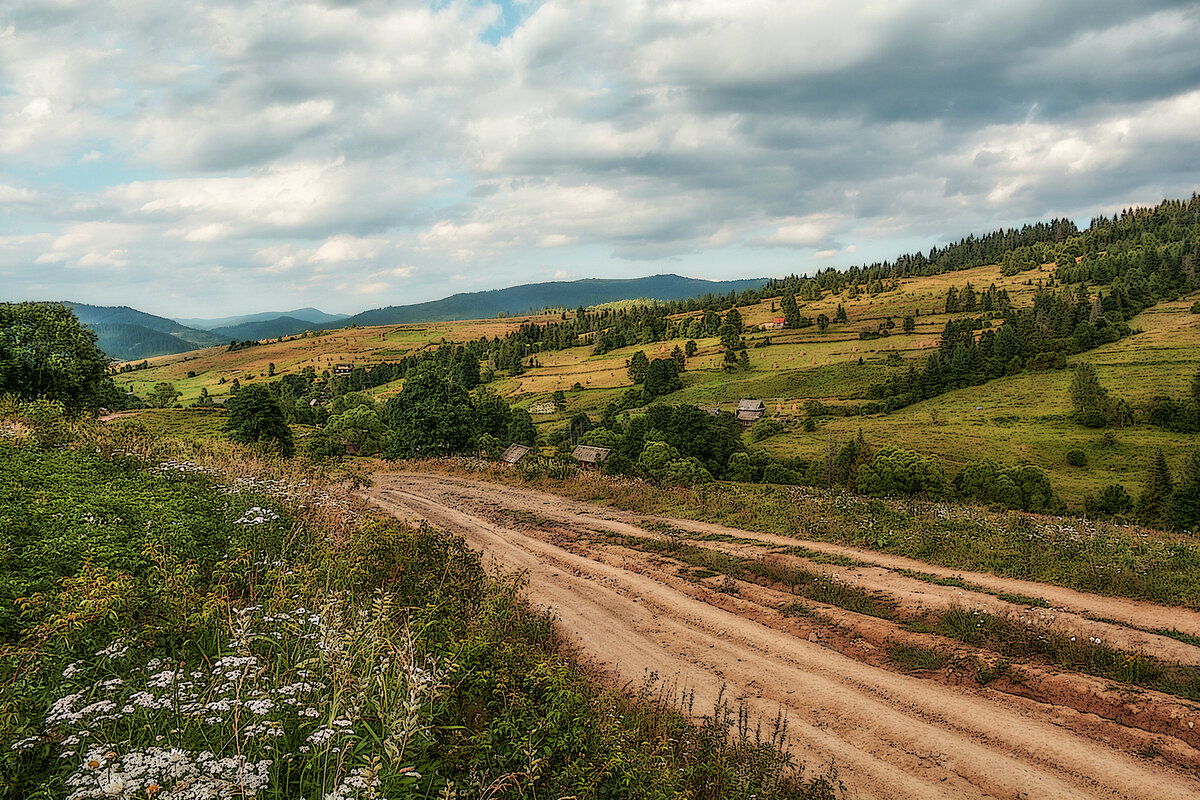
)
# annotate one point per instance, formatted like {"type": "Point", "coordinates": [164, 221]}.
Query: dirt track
{"type": "Point", "coordinates": [931, 734]}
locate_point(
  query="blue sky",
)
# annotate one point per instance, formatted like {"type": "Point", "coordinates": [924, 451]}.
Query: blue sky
{"type": "Point", "coordinates": [231, 157]}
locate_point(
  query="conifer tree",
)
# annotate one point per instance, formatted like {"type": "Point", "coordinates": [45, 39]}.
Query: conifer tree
{"type": "Point", "coordinates": [1185, 500]}
{"type": "Point", "coordinates": [791, 311]}
{"type": "Point", "coordinates": [1153, 504]}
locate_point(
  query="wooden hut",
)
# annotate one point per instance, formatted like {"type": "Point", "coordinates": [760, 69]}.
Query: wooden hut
{"type": "Point", "coordinates": [749, 410]}
{"type": "Point", "coordinates": [514, 453]}
{"type": "Point", "coordinates": [590, 457]}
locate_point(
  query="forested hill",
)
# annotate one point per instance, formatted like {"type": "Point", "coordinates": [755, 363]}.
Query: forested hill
{"type": "Point", "coordinates": [517, 300]}
{"type": "Point", "coordinates": [125, 333]}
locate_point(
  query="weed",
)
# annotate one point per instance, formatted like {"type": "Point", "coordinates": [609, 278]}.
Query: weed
{"type": "Point", "coordinates": [913, 658]}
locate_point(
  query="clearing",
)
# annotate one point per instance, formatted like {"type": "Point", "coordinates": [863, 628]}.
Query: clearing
{"type": "Point", "coordinates": [901, 712]}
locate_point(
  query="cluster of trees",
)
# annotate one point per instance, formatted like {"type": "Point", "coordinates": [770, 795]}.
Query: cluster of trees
{"type": "Point", "coordinates": [1095, 408]}
{"type": "Point", "coordinates": [1040, 337]}
{"type": "Point", "coordinates": [46, 353]}
{"type": "Point", "coordinates": [659, 376]}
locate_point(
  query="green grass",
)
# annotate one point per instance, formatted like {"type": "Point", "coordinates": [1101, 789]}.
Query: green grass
{"type": "Point", "coordinates": [124, 572]}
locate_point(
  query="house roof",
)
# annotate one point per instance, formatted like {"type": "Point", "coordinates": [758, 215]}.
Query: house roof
{"type": "Point", "coordinates": [749, 415]}
{"type": "Point", "coordinates": [589, 454]}
{"type": "Point", "coordinates": [751, 405]}
{"type": "Point", "coordinates": [514, 453]}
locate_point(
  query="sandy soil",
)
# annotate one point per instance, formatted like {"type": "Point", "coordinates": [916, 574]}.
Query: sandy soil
{"type": "Point", "coordinates": [1050, 734]}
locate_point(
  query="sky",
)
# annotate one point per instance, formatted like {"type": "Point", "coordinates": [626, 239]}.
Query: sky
{"type": "Point", "coordinates": [212, 158]}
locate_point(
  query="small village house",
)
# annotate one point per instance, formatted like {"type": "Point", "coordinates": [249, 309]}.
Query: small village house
{"type": "Point", "coordinates": [590, 457]}
{"type": "Point", "coordinates": [514, 453]}
{"type": "Point", "coordinates": [749, 410]}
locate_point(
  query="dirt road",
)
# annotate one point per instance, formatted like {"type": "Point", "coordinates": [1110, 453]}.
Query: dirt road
{"type": "Point", "coordinates": [1036, 733]}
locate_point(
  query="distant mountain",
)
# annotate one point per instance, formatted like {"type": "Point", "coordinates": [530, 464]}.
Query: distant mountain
{"type": "Point", "coordinates": [271, 328]}
{"type": "Point", "coordinates": [125, 333]}
{"type": "Point", "coordinates": [309, 315]}
{"type": "Point", "coordinates": [517, 300]}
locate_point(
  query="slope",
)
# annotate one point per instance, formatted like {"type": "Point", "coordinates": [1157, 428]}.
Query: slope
{"type": "Point", "coordinates": [554, 294]}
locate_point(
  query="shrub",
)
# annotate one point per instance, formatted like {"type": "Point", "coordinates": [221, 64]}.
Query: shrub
{"type": "Point", "coordinates": [1077, 458]}
{"type": "Point", "coordinates": [765, 428]}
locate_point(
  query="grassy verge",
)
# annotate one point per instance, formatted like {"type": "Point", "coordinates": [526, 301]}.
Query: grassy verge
{"type": "Point", "coordinates": [226, 625]}
{"type": "Point", "coordinates": [1078, 554]}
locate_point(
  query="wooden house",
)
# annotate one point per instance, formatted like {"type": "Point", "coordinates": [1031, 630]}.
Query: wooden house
{"type": "Point", "coordinates": [514, 453]}
{"type": "Point", "coordinates": [343, 370]}
{"type": "Point", "coordinates": [590, 457]}
{"type": "Point", "coordinates": [749, 410]}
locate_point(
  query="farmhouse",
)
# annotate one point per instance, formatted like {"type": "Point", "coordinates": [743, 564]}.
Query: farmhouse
{"type": "Point", "coordinates": [590, 457]}
{"type": "Point", "coordinates": [748, 411]}
{"type": "Point", "coordinates": [514, 453]}
{"type": "Point", "coordinates": [343, 370]}
{"type": "Point", "coordinates": [776, 324]}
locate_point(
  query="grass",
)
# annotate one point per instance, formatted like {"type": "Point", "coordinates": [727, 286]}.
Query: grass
{"type": "Point", "coordinates": [228, 619]}
{"type": "Point", "coordinates": [1090, 557]}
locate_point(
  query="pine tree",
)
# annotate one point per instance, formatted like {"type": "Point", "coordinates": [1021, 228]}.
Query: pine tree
{"type": "Point", "coordinates": [840, 316]}
{"type": "Point", "coordinates": [791, 311]}
{"type": "Point", "coordinates": [1089, 398]}
{"type": "Point", "coordinates": [1185, 500]}
{"type": "Point", "coordinates": [1153, 503]}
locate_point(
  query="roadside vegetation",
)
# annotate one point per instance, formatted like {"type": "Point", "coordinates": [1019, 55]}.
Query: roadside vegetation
{"type": "Point", "coordinates": [183, 619]}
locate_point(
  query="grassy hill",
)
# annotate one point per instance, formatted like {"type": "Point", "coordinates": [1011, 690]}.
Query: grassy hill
{"type": "Point", "coordinates": [1024, 418]}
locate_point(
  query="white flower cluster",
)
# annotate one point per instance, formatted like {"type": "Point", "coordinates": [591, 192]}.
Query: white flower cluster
{"type": "Point", "coordinates": [169, 774]}
{"type": "Point", "coordinates": [257, 515]}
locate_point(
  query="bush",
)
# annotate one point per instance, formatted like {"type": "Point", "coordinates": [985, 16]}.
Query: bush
{"type": "Point", "coordinates": [1114, 501]}
{"type": "Point", "coordinates": [1077, 458]}
{"type": "Point", "coordinates": [765, 428]}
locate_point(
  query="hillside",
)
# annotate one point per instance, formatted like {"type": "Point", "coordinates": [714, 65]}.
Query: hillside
{"type": "Point", "coordinates": [132, 342]}
{"type": "Point", "coordinates": [271, 328]}
{"type": "Point", "coordinates": [517, 300]}
{"type": "Point", "coordinates": [125, 333]}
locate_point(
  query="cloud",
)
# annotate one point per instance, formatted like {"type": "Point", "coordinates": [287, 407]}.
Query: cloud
{"type": "Point", "coordinates": [397, 144]}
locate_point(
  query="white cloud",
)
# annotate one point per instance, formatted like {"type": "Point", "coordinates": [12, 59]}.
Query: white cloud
{"type": "Point", "coordinates": [387, 145]}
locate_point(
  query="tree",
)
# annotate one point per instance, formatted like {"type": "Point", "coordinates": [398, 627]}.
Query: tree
{"type": "Point", "coordinates": [840, 315]}
{"type": "Point", "coordinates": [163, 395]}
{"type": "Point", "coordinates": [560, 400]}
{"type": "Point", "coordinates": [791, 311]}
{"type": "Point", "coordinates": [691, 347]}
{"type": "Point", "coordinates": [638, 366]}
{"type": "Point", "coordinates": [520, 429]}
{"type": "Point", "coordinates": [1153, 503]}
{"type": "Point", "coordinates": [255, 417]}
{"type": "Point", "coordinates": [679, 358]}
{"type": "Point", "coordinates": [662, 377]}
{"type": "Point", "coordinates": [46, 352]}
{"type": "Point", "coordinates": [1089, 398]}
{"type": "Point", "coordinates": [1185, 500]}
{"type": "Point", "coordinates": [910, 324]}
{"type": "Point", "coordinates": [1196, 387]}
{"type": "Point", "coordinates": [822, 322]}
{"type": "Point", "coordinates": [731, 330]}
{"type": "Point", "coordinates": [431, 416]}
{"type": "Point", "coordinates": [360, 429]}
